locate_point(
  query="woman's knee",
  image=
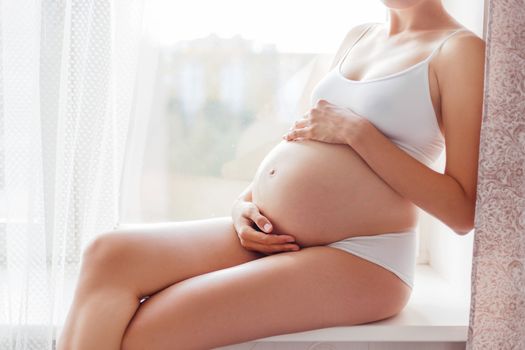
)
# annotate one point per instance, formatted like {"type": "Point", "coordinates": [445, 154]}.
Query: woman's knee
{"type": "Point", "coordinates": [107, 257]}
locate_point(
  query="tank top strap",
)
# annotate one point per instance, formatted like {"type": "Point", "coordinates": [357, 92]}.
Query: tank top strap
{"type": "Point", "coordinates": [436, 49]}
{"type": "Point", "coordinates": [355, 42]}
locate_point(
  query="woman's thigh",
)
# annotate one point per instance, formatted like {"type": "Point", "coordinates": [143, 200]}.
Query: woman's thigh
{"type": "Point", "coordinates": [150, 257]}
{"type": "Point", "coordinates": [312, 288]}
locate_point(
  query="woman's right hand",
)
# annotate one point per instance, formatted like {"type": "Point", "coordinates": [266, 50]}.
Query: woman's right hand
{"type": "Point", "coordinates": [246, 215]}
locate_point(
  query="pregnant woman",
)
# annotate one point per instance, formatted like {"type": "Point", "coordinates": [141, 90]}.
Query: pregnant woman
{"type": "Point", "coordinates": [325, 233]}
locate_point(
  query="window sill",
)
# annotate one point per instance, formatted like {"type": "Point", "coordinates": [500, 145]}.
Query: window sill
{"type": "Point", "coordinates": [436, 312]}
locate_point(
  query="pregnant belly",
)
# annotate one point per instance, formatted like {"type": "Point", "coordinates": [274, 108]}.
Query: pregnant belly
{"type": "Point", "coordinates": [321, 193]}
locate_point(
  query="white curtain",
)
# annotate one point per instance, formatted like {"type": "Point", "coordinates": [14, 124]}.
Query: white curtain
{"type": "Point", "coordinates": [67, 77]}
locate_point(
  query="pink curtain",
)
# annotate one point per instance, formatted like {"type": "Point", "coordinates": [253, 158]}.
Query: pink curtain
{"type": "Point", "coordinates": [497, 310]}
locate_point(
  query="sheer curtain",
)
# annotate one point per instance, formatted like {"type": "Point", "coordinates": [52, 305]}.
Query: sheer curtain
{"type": "Point", "coordinates": [67, 73]}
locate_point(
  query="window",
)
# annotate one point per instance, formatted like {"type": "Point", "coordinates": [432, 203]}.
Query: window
{"type": "Point", "coordinates": [213, 79]}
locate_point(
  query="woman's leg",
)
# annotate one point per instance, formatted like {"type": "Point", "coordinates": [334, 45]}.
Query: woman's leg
{"type": "Point", "coordinates": [315, 287]}
{"type": "Point", "coordinates": [120, 267]}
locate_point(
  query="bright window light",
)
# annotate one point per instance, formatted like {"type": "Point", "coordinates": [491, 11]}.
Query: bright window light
{"type": "Point", "coordinates": [292, 25]}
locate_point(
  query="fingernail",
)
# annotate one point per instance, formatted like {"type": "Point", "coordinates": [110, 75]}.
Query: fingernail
{"type": "Point", "coordinates": [267, 227]}
{"type": "Point", "coordinates": [290, 239]}
{"type": "Point", "coordinates": [295, 248]}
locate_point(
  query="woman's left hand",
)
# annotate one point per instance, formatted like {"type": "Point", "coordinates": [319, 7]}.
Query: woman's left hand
{"type": "Point", "coordinates": [329, 123]}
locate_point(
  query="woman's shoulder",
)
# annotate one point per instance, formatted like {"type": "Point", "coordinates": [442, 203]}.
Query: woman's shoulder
{"type": "Point", "coordinates": [350, 37]}
{"type": "Point", "coordinates": [461, 48]}
{"type": "Point", "coordinates": [464, 37]}
{"type": "Point", "coordinates": [355, 31]}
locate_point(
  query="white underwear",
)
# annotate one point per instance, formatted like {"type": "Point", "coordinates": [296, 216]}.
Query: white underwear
{"type": "Point", "coordinates": [395, 252]}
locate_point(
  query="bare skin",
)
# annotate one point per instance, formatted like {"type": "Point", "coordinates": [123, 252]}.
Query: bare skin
{"type": "Point", "coordinates": [209, 285]}
{"type": "Point", "coordinates": [234, 294]}
{"type": "Point", "coordinates": [294, 173]}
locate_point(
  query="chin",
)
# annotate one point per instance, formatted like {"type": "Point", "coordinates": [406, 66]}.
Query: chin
{"type": "Point", "coordinates": [400, 4]}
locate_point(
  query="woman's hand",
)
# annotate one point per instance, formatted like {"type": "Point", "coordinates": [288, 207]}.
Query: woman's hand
{"type": "Point", "coordinates": [329, 123]}
{"type": "Point", "coordinates": [245, 217]}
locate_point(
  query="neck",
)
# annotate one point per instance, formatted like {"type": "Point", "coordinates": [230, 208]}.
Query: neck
{"type": "Point", "coordinates": [425, 15]}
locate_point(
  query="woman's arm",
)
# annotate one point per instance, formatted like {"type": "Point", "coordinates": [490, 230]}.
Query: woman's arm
{"type": "Point", "coordinates": [450, 197]}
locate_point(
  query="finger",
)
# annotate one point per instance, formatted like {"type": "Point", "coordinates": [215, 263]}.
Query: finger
{"type": "Point", "coordinates": [250, 212]}
{"type": "Point", "coordinates": [252, 215]}
{"type": "Point", "coordinates": [248, 233]}
{"type": "Point", "coordinates": [265, 225]}
{"type": "Point", "coordinates": [321, 102]}
{"type": "Point", "coordinates": [296, 133]}
{"type": "Point", "coordinates": [279, 239]}
{"type": "Point", "coordinates": [272, 248]}
{"type": "Point", "coordinates": [270, 238]}
{"type": "Point", "coordinates": [299, 124]}
{"type": "Point", "coordinates": [261, 221]}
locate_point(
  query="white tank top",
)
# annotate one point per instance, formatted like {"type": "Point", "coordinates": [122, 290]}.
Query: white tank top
{"type": "Point", "coordinates": [398, 104]}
